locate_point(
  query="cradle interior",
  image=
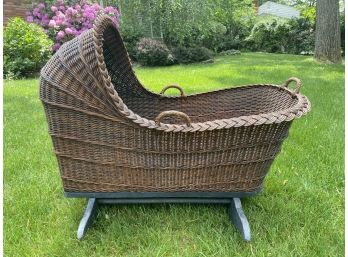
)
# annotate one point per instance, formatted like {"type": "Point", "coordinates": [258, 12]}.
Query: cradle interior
{"type": "Point", "coordinates": [223, 104]}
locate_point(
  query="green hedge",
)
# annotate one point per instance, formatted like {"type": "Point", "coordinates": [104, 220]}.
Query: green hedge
{"type": "Point", "coordinates": [26, 48]}
{"type": "Point", "coordinates": [276, 35]}
{"type": "Point", "coordinates": [192, 54]}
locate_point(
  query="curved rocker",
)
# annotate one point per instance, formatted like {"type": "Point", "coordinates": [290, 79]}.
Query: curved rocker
{"type": "Point", "coordinates": [113, 138]}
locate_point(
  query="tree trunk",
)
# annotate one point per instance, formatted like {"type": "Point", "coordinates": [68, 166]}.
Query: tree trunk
{"type": "Point", "coordinates": [328, 39]}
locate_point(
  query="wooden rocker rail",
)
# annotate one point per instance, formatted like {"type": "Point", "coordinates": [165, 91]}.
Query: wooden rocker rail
{"type": "Point", "coordinates": [236, 213]}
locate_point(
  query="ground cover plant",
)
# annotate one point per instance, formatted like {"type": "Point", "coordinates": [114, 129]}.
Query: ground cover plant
{"type": "Point", "coordinates": [299, 212]}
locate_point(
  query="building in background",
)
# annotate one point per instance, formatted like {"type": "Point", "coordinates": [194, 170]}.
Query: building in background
{"type": "Point", "coordinates": [14, 8]}
{"type": "Point", "coordinates": [270, 8]}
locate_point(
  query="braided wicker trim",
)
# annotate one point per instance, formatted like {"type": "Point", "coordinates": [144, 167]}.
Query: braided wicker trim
{"type": "Point", "coordinates": [300, 109]}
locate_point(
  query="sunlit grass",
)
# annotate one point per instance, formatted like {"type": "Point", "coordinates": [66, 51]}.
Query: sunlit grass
{"type": "Point", "coordinates": [299, 213]}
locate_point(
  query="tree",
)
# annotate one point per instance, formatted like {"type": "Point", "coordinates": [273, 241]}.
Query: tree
{"type": "Point", "coordinates": [328, 38]}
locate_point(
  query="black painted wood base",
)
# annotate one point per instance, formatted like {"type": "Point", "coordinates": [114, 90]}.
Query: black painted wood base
{"type": "Point", "coordinates": [236, 213]}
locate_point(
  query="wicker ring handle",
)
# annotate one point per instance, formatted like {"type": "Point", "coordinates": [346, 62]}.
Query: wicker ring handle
{"type": "Point", "coordinates": [173, 86]}
{"type": "Point", "coordinates": [298, 84]}
{"type": "Point", "coordinates": [173, 113]}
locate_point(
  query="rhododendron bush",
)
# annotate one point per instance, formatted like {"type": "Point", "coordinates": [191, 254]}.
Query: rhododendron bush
{"type": "Point", "coordinates": [63, 21]}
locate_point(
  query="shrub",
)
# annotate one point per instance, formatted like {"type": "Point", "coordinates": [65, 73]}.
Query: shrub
{"type": "Point", "coordinates": [268, 35]}
{"type": "Point", "coordinates": [230, 52]}
{"type": "Point", "coordinates": [26, 48]}
{"type": "Point", "coordinates": [279, 35]}
{"type": "Point", "coordinates": [192, 54]}
{"type": "Point", "coordinates": [153, 53]}
{"type": "Point", "coordinates": [131, 36]}
{"type": "Point", "coordinates": [220, 39]}
{"type": "Point", "coordinates": [214, 37]}
{"type": "Point", "coordinates": [63, 20]}
{"type": "Point", "coordinates": [300, 37]}
{"type": "Point", "coordinates": [229, 42]}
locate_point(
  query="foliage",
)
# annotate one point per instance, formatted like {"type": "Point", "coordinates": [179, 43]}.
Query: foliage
{"type": "Point", "coordinates": [216, 37]}
{"type": "Point", "coordinates": [191, 25]}
{"type": "Point", "coordinates": [63, 20]}
{"type": "Point", "coordinates": [269, 35]}
{"type": "Point", "coordinates": [309, 13]}
{"type": "Point", "coordinates": [301, 36]}
{"type": "Point", "coordinates": [187, 55]}
{"type": "Point", "coordinates": [26, 48]}
{"type": "Point", "coordinates": [342, 29]}
{"type": "Point", "coordinates": [277, 35]}
{"type": "Point", "coordinates": [238, 17]}
{"type": "Point", "coordinates": [152, 52]}
{"type": "Point", "coordinates": [216, 24]}
{"type": "Point", "coordinates": [230, 42]}
{"type": "Point", "coordinates": [230, 52]}
{"type": "Point", "coordinates": [131, 36]}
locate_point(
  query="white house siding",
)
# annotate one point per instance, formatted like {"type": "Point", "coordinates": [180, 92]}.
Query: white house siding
{"type": "Point", "coordinates": [280, 10]}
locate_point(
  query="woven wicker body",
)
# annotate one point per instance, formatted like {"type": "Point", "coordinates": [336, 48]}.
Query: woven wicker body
{"type": "Point", "coordinates": [110, 134]}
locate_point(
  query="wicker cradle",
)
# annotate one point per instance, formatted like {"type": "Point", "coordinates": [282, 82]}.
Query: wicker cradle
{"type": "Point", "coordinates": [110, 134]}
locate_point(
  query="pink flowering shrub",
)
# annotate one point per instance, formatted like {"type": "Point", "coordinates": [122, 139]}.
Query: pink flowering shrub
{"type": "Point", "coordinates": [62, 21]}
{"type": "Point", "coordinates": [151, 52]}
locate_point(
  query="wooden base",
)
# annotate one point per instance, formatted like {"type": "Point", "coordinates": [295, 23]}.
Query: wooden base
{"type": "Point", "coordinates": [87, 217]}
{"type": "Point", "coordinates": [236, 213]}
{"type": "Point", "coordinates": [239, 219]}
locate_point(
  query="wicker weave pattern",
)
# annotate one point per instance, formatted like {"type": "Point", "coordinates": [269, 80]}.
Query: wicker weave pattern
{"type": "Point", "coordinates": [106, 138]}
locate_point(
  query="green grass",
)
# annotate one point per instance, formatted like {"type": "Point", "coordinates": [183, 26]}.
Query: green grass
{"type": "Point", "coordinates": [299, 212]}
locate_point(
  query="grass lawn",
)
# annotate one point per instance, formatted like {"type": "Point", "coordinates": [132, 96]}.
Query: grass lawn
{"type": "Point", "coordinates": [299, 213]}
